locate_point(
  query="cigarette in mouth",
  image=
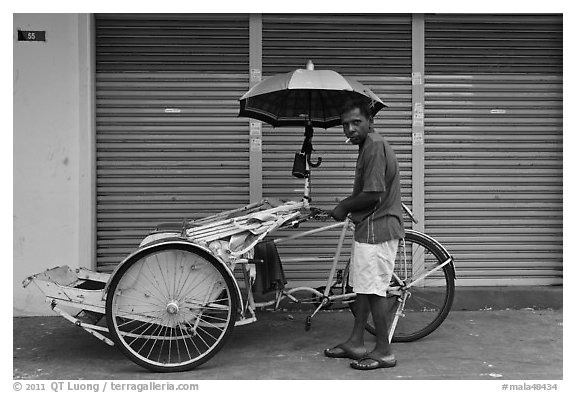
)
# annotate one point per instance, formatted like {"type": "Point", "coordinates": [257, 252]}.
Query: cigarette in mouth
{"type": "Point", "coordinates": [347, 140]}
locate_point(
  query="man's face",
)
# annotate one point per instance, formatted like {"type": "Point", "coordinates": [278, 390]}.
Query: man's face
{"type": "Point", "coordinates": [356, 126]}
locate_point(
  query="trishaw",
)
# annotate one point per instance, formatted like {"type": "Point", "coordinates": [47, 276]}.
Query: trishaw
{"type": "Point", "coordinates": [172, 304]}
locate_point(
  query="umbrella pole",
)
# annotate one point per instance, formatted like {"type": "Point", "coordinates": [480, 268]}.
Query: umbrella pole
{"type": "Point", "coordinates": [302, 167]}
{"type": "Point", "coordinates": [307, 182]}
{"type": "Point", "coordinates": [308, 133]}
{"type": "Point", "coordinates": [307, 150]}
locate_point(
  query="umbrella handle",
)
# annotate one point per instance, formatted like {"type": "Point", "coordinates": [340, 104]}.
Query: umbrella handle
{"type": "Point", "coordinates": [314, 164]}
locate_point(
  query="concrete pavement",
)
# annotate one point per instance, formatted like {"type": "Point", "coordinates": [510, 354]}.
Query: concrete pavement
{"type": "Point", "coordinates": [470, 345]}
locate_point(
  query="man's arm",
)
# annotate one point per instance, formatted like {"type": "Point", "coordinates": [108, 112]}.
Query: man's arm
{"type": "Point", "coordinates": [361, 201]}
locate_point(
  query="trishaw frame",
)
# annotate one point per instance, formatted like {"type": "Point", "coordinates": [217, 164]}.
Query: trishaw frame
{"type": "Point", "coordinates": [64, 288]}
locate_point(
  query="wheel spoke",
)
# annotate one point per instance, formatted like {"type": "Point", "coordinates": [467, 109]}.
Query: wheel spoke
{"type": "Point", "coordinates": [201, 281]}
{"type": "Point", "coordinates": [148, 338]}
{"type": "Point", "coordinates": [142, 333]}
{"type": "Point", "coordinates": [170, 345]}
{"type": "Point", "coordinates": [419, 299]}
{"type": "Point", "coordinates": [208, 323]}
{"type": "Point", "coordinates": [185, 341]}
{"type": "Point", "coordinates": [154, 286]}
{"type": "Point", "coordinates": [158, 285]}
{"type": "Point", "coordinates": [159, 264]}
{"type": "Point", "coordinates": [199, 335]}
{"type": "Point", "coordinates": [192, 339]}
{"type": "Point", "coordinates": [207, 333]}
{"type": "Point", "coordinates": [142, 301]}
{"type": "Point", "coordinates": [131, 317]}
{"type": "Point", "coordinates": [184, 281]}
{"type": "Point", "coordinates": [161, 344]}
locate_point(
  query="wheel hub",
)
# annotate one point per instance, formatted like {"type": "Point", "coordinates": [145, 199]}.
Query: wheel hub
{"type": "Point", "coordinates": [172, 308]}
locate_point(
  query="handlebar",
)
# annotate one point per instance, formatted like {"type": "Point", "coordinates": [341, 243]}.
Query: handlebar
{"type": "Point", "coordinates": [323, 215]}
{"type": "Point", "coordinates": [315, 213]}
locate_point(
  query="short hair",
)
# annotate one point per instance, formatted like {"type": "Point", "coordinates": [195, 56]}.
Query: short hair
{"type": "Point", "coordinates": [354, 103]}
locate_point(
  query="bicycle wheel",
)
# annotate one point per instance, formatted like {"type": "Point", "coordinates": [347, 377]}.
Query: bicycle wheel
{"type": "Point", "coordinates": [429, 301]}
{"type": "Point", "coordinates": [171, 308]}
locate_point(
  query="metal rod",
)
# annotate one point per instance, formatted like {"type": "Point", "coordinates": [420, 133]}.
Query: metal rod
{"type": "Point", "coordinates": [316, 311]}
{"type": "Point", "coordinates": [307, 182]}
{"type": "Point", "coordinates": [304, 259]}
{"type": "Point", "coordinates": [336, 257]}
{"type": "Point", "coordinates": [397, 315]}
{"type": "Point", "coordinates": [225, 213]}
{"type": "Point", "coordinates": [199, 314]}
{"type": "Point", "coordinates": [87, 327]}
{"type": "Point", "coordinates": [345, 296]}
{"type": "Point", "coordinates": [430, 272]}
{"type": "Point", "coordinates": [310, 232]}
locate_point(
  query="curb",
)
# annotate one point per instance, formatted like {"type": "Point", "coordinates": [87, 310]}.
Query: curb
{"type": "Point", "coordinates": [480, 298]}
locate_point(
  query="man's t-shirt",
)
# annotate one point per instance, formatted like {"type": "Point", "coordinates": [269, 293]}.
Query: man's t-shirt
{"type": "Point", "coordinates": [377, 171]}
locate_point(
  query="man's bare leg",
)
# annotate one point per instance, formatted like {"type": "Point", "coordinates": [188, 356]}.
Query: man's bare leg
{"type": "Point", "coordinates": [379, 307]}
{"type": "Point", "coordinates": [381, 356]}
{"type": "Point", "coordinates": [362, 311]}
{"type": "Point", "coordinates": [355, 343]}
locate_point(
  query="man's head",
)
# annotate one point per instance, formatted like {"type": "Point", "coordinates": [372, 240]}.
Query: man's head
{"type": "Point", "coordinates": [356, 120]}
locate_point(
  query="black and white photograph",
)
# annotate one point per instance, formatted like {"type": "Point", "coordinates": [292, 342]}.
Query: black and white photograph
{"type": "Point", "coordinates": [293, 196]}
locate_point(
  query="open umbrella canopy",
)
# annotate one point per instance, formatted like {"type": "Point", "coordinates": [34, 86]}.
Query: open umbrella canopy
{"type": "Point", "coordinates": [305, 94]}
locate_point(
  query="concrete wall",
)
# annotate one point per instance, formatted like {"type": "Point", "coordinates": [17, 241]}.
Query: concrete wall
{"type": "Point", "coordinates": [52, 150]}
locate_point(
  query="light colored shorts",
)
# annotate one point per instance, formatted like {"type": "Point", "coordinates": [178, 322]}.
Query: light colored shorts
{"type": "Point", "coordinates": [371, 267]}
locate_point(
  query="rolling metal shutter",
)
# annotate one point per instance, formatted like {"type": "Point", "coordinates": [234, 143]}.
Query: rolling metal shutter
{"type": "Point", "coordinates": [375, 50]}
{"type": "Point", "coordinates": [168, 140]}
{"type": "Point", "coordinates": [493, 129]}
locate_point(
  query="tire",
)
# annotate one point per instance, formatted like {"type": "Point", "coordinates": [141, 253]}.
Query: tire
{"type": "Point", "coordinates": [171, 307]}
{"type": "Point", "coordinates": [427, 306]}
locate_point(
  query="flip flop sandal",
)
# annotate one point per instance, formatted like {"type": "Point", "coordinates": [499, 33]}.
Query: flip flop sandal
{"type": "Point", "coordinates": [376, 363]}
{"type": "Point", "coordinates": [340, 352]}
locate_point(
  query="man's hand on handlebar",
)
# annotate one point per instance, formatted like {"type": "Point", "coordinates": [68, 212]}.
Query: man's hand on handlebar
{"type": "Point", "coordinates": [339, 214]}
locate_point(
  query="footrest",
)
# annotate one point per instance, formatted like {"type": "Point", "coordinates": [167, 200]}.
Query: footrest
{"type": "Point", "coordinates": [89, 317]}
{"type": "Point", "coordinates": [245, 321]}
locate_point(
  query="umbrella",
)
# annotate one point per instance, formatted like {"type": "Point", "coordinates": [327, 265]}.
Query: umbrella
{"type": "Point", "coordinates": [304, 97]}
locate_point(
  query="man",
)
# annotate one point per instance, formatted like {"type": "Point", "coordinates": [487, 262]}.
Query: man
{"type": "Point", "coordinates": [376, 210]}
